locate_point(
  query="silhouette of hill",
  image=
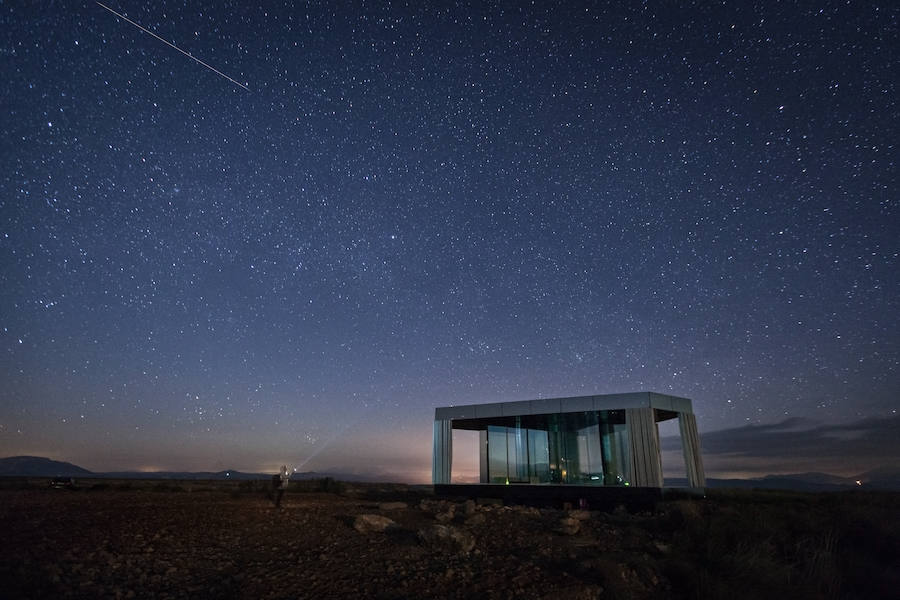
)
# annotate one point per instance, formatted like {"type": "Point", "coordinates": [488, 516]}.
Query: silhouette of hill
{"type": "Point", "coordinates": [228, 474]}
{"type": "Point", "coordinates": [38, 466]}
{"type": "Point", "coordinates": [883, 478]}
{"type": "Point", "coordinates": [814, 478]}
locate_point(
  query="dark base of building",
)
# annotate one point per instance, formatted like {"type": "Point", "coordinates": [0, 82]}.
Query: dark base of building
{"type": "Point", "coordinates": [560, 496]}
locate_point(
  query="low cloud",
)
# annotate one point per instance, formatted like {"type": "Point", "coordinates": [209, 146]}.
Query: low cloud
{"type": "Point", "coordinates": [797, 446]}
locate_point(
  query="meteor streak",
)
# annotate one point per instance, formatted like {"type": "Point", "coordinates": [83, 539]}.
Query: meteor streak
{"type": "Point", "coordinates": [214, 70]}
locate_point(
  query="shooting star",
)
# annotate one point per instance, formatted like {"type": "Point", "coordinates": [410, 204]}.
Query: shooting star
{"type": "Point", "coordinates": [214, 70]}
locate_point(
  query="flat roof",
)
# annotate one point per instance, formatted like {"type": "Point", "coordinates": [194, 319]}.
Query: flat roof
{"type": "Point", "coordinates": [565, 405]}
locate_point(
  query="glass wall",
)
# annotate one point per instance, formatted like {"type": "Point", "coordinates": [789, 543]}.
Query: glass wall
{"type": "Point", "coordinates": [498, 460]}
{"type": "Point", "coordinates": [614, 447]}
{"type": "Point", "coordinates": [538, 456]}
{"type": "Point", "coordinates": [587, 448]}
{"type": "Point", "coordinates": [518, 453]}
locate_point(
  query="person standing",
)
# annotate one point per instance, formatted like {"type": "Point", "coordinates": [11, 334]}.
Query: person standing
{"type": "Point", "coordinates": [281, 484]}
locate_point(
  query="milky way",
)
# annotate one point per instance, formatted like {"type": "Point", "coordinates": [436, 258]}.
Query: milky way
{"type": "Point", "coordinates": [418, 206]}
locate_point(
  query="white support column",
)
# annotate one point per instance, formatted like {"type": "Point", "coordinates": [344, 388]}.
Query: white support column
{"type": "Point", "coordinates": [443, 452]}
{"type": "Point", "coordinates": [690, 444]}
{"type": "Point", "coordinates": [643, 441]}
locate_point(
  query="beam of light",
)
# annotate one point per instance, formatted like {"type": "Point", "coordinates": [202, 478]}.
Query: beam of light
{"type": "Point", "coordinates": [213, 69]}
{"type": "Point", "coordinates": [336, 434]}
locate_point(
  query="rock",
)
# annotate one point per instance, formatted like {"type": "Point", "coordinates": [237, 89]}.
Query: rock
{"type": "Point", "coordinates": [470, 508]}
{"type": "Point", "coordinates": [448, 536]}
{"type": "Point", "coordinates": [368, 523]}
{"type": "Point", "coordinates": [447, 515]}
{"type": "Point", "coordinates": [476, 519]}
{"type": "Point", "coordinates": [568, 526]}
{"type": "Point", "coordinates": [464, 540]}
{"type": "Point", "coordinates": [529, 511]}
{"type": "Point", "coordinates": [392, 506]}
{"type": "Point", "coordinates": [434, 506]}
{"type": "Point", "coordinates": [581, 515]}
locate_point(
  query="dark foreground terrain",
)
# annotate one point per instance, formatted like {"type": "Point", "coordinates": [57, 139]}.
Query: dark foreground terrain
{"type": "Point", "coordinates": [328, 540]}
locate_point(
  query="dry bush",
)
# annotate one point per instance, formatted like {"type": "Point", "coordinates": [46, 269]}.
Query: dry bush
{"type": "Point", "coordinates": [751, 544]}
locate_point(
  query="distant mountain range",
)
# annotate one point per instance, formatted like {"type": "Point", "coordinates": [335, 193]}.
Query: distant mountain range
{"type": "Point", "coordinates": [37, 466]}
{"type": "Point", "coordinates": [877, 479]}
{"type": "Point", "coordinates": [885, 478]}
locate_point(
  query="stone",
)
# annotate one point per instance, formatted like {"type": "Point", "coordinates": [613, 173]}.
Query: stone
{"type": "Point", "coordinates": [448, 536]}
{"type": "Point", "coordinates": [447, 515]}
{"type": "Point", "coordinates": [464, 540]}
{"type": "Point", "coordinates": [387, 506]}
{"type": "Point", "coordinates": [476, 519]}
{"type": "Point", "coordinates": [581, 515]}
{"type": "Point", "coordinates": [568, 526]}
{"type": "Point", "coordinates": [368, 523]}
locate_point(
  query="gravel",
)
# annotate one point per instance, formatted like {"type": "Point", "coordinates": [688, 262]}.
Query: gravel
{"type": "Point", "coordinates": [211, 544]}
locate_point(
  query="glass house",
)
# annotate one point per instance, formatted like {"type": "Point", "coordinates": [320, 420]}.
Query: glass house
{"type": "Point", "coordinates": [607, 440]}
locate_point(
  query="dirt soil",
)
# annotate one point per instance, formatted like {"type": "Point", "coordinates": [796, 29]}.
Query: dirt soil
{"type": "Point", "coordinates": [150, 544]}
{"type": "Point", "coordinates": [165, 540]}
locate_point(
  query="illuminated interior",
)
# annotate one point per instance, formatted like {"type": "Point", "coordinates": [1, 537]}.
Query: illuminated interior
{"type": "Point", "coordinates": [581, 441]}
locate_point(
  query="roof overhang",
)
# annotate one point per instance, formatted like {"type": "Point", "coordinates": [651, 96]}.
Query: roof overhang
{"type": "Point", "coordinates": [575, 404]}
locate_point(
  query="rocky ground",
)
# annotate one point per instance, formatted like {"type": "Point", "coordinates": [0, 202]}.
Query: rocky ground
{"type": "Point", "coordinates": [217, 544]}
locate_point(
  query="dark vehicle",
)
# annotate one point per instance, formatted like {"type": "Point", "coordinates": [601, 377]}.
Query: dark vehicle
{"type": "Point", "coordinates": [65, 483]}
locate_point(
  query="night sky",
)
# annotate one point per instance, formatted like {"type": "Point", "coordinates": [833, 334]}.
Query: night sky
{"type": "Point", "coordinates": [418, 205]}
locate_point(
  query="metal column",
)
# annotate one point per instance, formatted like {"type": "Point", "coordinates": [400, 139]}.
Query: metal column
{"type": "Point", "coordinates": [643, 440]}
{"type": "Point", "coordinates": [442, 453]}
{"type": "Point", "coordinates": [690, 444]}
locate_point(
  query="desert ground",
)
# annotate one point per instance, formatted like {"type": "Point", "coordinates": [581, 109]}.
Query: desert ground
{"type": "Point", "coordinates": [333, 540]}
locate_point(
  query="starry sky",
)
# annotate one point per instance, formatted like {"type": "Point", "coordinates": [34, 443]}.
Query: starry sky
{"type": "Point", "coordinates": [422, 204]}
